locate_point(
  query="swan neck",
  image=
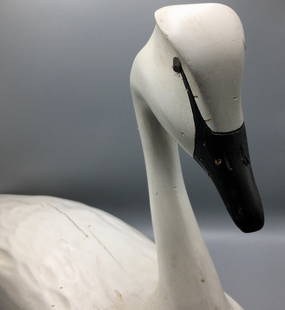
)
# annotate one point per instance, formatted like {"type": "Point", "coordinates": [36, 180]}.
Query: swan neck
{"type": "Point", "coordinates": [187, 276]}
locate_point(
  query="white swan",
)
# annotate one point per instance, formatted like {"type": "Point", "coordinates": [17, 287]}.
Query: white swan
{"type": "Point", "coordinates": [59, 254]}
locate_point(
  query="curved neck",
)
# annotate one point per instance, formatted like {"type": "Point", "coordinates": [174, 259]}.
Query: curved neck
{"type": "Point", "coordinates": [187, 276]}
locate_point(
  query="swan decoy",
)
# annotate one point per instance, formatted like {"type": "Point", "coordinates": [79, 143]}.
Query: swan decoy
{"type": "Point", "coordinates": [185, 85]}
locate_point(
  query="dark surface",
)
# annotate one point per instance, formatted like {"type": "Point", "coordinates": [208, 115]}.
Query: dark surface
{"type": "Point", "coordinates": [67, 126]}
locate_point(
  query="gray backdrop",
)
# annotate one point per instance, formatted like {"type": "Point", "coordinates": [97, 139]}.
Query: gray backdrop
{"type": "Point", "coordinates": [67, 126]}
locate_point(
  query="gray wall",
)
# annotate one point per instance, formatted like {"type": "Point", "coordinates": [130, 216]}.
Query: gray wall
{"type": "Point", "coordinates": [67, 126]}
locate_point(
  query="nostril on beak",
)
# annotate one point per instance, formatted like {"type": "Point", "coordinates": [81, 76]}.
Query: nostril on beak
{"type": "Point", "coordinates": [218, 162]}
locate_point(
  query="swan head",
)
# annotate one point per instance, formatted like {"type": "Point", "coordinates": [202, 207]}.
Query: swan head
{"type": "Point", "coordinates": [225, 157]}
{"type": "Point", "coordinates": [198, 56]}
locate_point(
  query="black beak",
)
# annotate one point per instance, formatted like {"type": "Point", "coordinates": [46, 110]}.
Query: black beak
{"type": "Point", "coordinates": [225, 158]}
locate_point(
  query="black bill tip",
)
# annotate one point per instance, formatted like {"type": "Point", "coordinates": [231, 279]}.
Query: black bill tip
{"type": "Point", "coordinates": [251, 223]}
{"type": "Point", "coordinates": [240, 194]}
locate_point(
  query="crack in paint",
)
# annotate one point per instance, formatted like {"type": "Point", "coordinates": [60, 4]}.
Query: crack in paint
{"type": "Point", "coordinates": [69, 218]}
{"type": "Point", "coordinates": [105, 248]}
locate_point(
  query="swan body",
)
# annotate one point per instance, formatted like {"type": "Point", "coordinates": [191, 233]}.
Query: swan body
{"type": "Point", "coordinates": [61, 254]}
{"type": "Point", "coordinates": [58, 254]}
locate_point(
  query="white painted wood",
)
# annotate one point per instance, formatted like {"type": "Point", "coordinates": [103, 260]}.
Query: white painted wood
{"type": "Point", "coordinates": [209, 40]}
{"type": "Point", "coordinates": [59, 254]}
